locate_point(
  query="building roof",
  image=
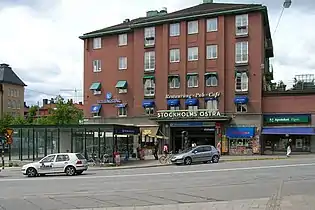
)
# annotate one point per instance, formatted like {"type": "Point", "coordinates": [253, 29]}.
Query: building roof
{"type": "Point", "coordinates": [8, 76]}
{"type": "Point", "coordinates": [198, 11]}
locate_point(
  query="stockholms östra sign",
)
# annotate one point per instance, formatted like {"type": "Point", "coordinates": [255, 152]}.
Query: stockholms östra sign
{"type": "Point", "coordinates": [287, 119]}
{"type": "Point", "coordinates": [187, 114]}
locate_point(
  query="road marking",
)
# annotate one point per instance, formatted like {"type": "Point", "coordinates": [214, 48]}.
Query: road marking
{"type": "Point", "coordinates": [157, 174]}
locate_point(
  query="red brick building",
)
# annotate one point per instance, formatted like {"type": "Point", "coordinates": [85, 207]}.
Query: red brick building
{"type": "Point", "coordinates": [197, 73]}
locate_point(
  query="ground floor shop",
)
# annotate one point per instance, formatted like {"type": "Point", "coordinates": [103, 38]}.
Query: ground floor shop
{"type": "Point", "coordinates": [34, 142]}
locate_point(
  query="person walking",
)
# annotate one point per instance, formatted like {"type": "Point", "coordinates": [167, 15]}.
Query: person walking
{"type": "Point", "coordinates": [289, 147]}
{"type": "Point", "coordinates": [156, 149]}
{"type": "Point", "coordinates": [219, 147]}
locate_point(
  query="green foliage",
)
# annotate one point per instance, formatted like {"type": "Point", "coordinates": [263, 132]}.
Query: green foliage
{"type": "Point", "coordinates": [5, 123]}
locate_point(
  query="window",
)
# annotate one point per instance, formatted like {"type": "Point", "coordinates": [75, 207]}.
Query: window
{"type": "Point", "coordinates": [12, 92]}
{"type": "Point", "coordinates": [241, 107]}
{"type": "Point", "coordinates": [122, 39]}
{"type": "Point", "coordinates": [192, 81]}
{"type": "Point", "coordinates": [18, 93]}
{"type": "Point", "coordinates": [149, 36]}
{"type": "Point", "coordinates": [122, 63]}
{"type": "Point", "coordinates": [149, 61]}
{"type": "Point", "coordinates": [193, 108]}
{"type": "Point", "coordinates": [241, 52]}
{"type": "Point", "coordinates": [174, 55]}
{"type": "Point", "coordinates": [15, 93]}
{"type": "Point", "coordinates": [211, 80]}
{"type": "Point", "coordinates": [97, 66]}
{"type": "Point", "coordinates": [62, 158]}
{"type": "Point", "coordinates": [18, 104]}
{"type": "Point", "coordinates": [97, 92]}
{"type": "Point", "coordinates": [149, 110]}
{"type": "Point", "coordinates": [192, 27]}
{"type": "Point", "coordinates": [212, 24]}
{"type": "Point", "coordinates": [192, 53]}
{"type": "Point", "coordinates": [48, 159]}
{"type": "Point", "coordinates": [97, 43]}
{"type": "Point", "coordinates": [9, 92]}
{"type": "Point", "coordinates": [9, 104]}
{"type": "Point", "coordinates": [212, 51]}
{"type": "Point", "coordinates": [149, 87]}
{"type": "Point", "coordinates": [173, 82]}
{"type": "Point", "coordinates": [122, 111]}
{"type": "Point", "coordinates": [241, 82]}
{"type": "Point", "coordinates": [13, 105]}
{"type": "Point", "coordinates": [122, 90]}
{"type": "Point", "coordinates": [241, 24]}
{"type": "Point", "coordinates": [174, 108]}
{"type": "Point", "coordinates": [175, 29]}
{"type": "Point", "coordinates": [212, 105]}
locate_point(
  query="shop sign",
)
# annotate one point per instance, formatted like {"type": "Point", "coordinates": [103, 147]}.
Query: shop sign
{"type": "Point", "coordinates": [197, 95]}
{"type": "Point", "coordinates": [182, 114]}
{"type": "Point", "coordinates": [109, 99]}
{"type": "Point", "coordinates": [287, 119]}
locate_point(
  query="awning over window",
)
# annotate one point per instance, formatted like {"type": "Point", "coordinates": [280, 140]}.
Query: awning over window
{"type": "Point", "coordinates": [173, 102]}
{"type": "Point", "coordinates": [149, 131]}
{"type": "Point", "coordinates": [211, 74]}
{"type": "Point", "coordinates": [241, 100]}
{"type": "Point", "coordinates": [148, 77]}
{"type": "Point", "coordinates": [289, 130]}
{"type": "Point", "coordinates": [148, 103]}
{"type": "Point", "coordinates": [121, 84]}
{"type": "Point", "coordinates": [95, 86]}
{"type": "Point", "coordinates": [210, 99]}
{"type": "Point", "coordinates": [96, 108]}
{"type": "Point", "coordinates": [191, 102]}
{"type": "Point", "coordinates": [121, 105]}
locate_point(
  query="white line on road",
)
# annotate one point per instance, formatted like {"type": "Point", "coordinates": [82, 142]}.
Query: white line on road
{"type": "Point", "coordinates": [157, 174]}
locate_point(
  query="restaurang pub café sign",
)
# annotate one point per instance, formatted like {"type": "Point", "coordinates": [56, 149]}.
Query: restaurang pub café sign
{"type": "Point", "coordinates": [170, 114]}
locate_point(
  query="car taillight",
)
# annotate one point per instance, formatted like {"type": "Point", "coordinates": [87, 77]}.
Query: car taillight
{"type": "Point", "coordinates": [79, 162]}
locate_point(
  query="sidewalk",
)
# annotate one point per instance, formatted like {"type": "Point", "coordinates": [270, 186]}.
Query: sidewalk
{"type": "Point", "coordinates": [150, 162]}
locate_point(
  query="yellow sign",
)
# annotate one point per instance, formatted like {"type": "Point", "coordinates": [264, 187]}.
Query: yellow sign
{"type": "Point", "coordinates": [9, 131]}
{"type": "Point", "coordinates": [146, 132]}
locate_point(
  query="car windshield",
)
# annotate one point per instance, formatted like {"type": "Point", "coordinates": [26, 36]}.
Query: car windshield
{"type": "Point", "coordinates": [187, 150]}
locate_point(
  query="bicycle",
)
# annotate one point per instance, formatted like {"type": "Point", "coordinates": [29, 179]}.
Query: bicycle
{"type": "Point", "coordinates": [166, 159]}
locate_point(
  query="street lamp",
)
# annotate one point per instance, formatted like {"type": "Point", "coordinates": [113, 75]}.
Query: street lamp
{"type": "Point", "coordinates": [287, 4]}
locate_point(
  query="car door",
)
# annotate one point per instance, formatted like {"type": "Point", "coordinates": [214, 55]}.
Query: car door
{"type": "Point", "coordinates": [46, 164]}
{"type": "Point", "coordinates": [60, 163]}
{"type": "Point", "coordinates": [207, 153]}
{"type": "Point", "coordinates": [197, 154]}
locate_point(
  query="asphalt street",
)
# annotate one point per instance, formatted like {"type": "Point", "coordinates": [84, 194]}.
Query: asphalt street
{"type": "Point", "coordinates": [270, 184]}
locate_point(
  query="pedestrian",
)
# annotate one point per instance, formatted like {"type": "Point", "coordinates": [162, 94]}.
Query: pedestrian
{"type": "Point", "coordinates": [219, 147]}
{"type": "Point", "coordinates": [193, 144]}
{"type": "Point", "coordinates": [165, 149]}
{"type": "Point", "coordinates": [289, 147]}
{"type": "Point", "coordinates": [156, 149]}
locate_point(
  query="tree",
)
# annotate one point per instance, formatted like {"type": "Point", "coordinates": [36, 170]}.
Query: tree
{"type": "Point", "coordinates": [32, 112]}
{"type": "Point", "coordinates": [65, 113]}
{"type": "Point", "coordinates": [20, 120]}
{"type": "Point", "coordinates": [5, 123]}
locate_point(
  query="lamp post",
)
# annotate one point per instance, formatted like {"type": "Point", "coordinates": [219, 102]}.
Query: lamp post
{"type": "Point", "coordinates": [286, 5]}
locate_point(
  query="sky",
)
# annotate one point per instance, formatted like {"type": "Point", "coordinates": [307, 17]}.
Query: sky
{"type": "Point", "coordinates": [39, 38]}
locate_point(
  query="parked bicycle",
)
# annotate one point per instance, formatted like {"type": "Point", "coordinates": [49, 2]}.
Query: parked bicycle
{"type": "Point", "coordinates": [166, 159]}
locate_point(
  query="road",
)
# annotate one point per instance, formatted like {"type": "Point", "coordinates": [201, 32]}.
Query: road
{"type": "Point", "coordinates": [235, 185]}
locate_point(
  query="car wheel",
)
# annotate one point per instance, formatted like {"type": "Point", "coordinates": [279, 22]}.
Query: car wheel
{"type": "Point", "coordinates": [188, 161]}
{"type": "Point", "coordinates": [215, 159]}
{"type": "Point", "coordinates": [70, 171]}
{"type": "Point", "coordinates": [31, 172]}
{"type": "Point", "coordinates": [79, 172]}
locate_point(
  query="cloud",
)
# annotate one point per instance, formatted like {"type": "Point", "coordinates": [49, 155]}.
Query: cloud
{"type": "Point", "coordinates": [39, 39]}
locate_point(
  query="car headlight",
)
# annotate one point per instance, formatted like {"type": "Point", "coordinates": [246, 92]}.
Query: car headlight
{"type": "Point", "coordinates": [179, 157]}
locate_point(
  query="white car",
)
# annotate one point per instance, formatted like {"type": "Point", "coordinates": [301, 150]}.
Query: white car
{"type": "Point", "coordinates": [69, 163]}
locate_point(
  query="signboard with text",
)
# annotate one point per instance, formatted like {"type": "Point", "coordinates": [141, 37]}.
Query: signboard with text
{"type": "Point", "coordinates": [196, 95]}
{"type": "Point", "coordinates": [187, 114]}
{"type": "Point", "coordinates": [287, 119]}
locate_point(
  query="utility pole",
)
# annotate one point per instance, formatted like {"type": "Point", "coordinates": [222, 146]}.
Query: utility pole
{"type": "Point", "coordinates": [75, 95]}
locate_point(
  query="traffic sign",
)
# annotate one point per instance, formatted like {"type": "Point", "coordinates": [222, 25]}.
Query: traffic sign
{"type": "Point", "coordinates": [9, 131]}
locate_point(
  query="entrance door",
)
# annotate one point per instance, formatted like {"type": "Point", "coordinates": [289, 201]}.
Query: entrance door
{"type": "Point", "coordinates": [60, 163]}
{"type": "Point", "coordinates": [47, 164]}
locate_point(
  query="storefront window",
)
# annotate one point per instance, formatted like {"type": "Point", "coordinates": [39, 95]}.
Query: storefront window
{"type": "Point", "coordinates": [241, 146]}
{"type": "Point", "coordinates": [276, 143]}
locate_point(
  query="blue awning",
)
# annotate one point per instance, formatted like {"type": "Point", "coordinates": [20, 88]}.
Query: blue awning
{"type": "Point", "coordinates": [240, 132]}
{"type": "Point", "coordinates": [241, 100]}
{"type": "Point", "coordinates": [148, 103]}
{"type": "Point", "coordinates": [289, 130]}
{"type": "Point", "coordinates": [210, 99]}
{"type": "Point", "coordinates": [96, 108]}
{"type": "Point", "coordinates": [173, 102]}
{"type": "Point", "coordinates": [120, 105]}
{"type": "Point", "coordinates": [191, 102]}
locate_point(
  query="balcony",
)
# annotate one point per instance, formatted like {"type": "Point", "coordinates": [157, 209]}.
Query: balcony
{"type": "Point", "coordinates": [269, 48]}
{"type": "Point", "coordinates": [303, 84]}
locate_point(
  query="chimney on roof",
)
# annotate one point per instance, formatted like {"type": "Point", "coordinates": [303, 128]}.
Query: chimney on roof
{"type": "Point", "coordinates": [152, 13]}
{"type": "Point", "coordinates": [127, 20]}
{"type": "Point", "coordinates": [45, 101]}
{"type": "Point", "coordinates": [163, 11]}
{"type": "Point", "coordinates": [207, 1]}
